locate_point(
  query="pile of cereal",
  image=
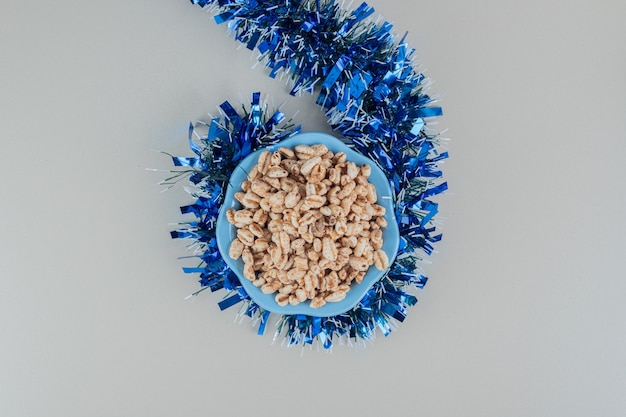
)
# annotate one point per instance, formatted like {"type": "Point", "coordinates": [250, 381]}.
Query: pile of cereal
{"type": "Point", "coordinates": [309, 225]}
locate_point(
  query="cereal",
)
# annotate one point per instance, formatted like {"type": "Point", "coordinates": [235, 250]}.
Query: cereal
{"type": "Point", "coordinates": [236, 248]}
{"type": "Point", "coordinates": [381, 261]}
{"type": "Point", "coordinates": [309, 225]}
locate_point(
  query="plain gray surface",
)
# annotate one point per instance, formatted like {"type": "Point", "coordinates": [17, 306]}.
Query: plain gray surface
{"type": "Point", "coordinates": [523, 314]}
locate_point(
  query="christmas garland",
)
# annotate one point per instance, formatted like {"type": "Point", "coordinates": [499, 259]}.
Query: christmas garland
{"type": "Point", "coordinates": [374, 98]}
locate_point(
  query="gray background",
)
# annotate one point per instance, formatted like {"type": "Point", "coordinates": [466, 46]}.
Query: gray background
{"type": "Point", "coordinates": [523, 314]}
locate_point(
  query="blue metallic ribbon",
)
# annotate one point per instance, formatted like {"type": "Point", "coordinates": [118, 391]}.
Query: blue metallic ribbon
{"type": "Point", "coordinates": [373, 97]}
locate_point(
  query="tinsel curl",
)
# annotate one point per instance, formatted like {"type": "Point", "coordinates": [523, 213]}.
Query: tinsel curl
{"type": "Point", "coordinates": [373, 97]}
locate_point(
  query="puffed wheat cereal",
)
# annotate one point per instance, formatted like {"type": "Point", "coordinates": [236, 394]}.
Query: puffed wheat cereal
{"type": "Point", "coordinates": [309, 225]}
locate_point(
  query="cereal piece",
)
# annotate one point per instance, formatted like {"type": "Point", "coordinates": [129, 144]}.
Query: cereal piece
{"type": "Point", "coordinates": [296, 274]}
{"type": "Point", "coordinates": [230, 216]}
{"type": "Point", "coordinates": [304, 151]}
{"type": "Point", "coordinates": [261, 188]}
{"type": "Point", "coordinates": [328, 156]}
{"type": "Point", "coordinates": [290, 229]}
{"type": "Point", "coordinates": [334, 175]}
{"type": "Point", "coordinates": [339, 158]}
{"type": "Point", "coordinates": [381, 221]}
{"type": "Point", "coordinates": [301, 295]}
{"type": "Point", "coordinates": [260, 217]}
{"type": "Point", "coordinates": [332, 281]}
{"type": "Point", "coordinates": [319, 228]}
{"type": "Point", "coordinates": [317, 302]}
{"type": "Point", "coordinates": [335, 296]}
{"type": "Point", "coordinates": [308, 165]}
{"type": "Point", "coordinates": [275, 158]}
{"type": "Point", "coordinates": [287, 184]}
{"type": "Point", "coordinates": [275, 226]}
{"type": "Point", "coordinates": [319, 149]}
{"type": "Point", "coordinates": [293, 300]}
{"type": "Point", "coordinates": [353, 229]}
{"type": "Point", "coordinates": [292, 167]}
{"type": "Point", "coordinates": [264, 203]}
{"type": "Point", "coordinates": [243, 216]}
{"type": "Point", "coordinates": [326, 211]}
{"type": "Point", "coordinates": [297, 244]}
{"type": "Point", "coordinates": [318, 173]}
{"type": "Point", "coordinates": [248, 272]}
{"type": "Point", "coordinates": [309, 281]}
{"type": "Point", "coordinates": [260, 245]}
{"type": "Point", "coordinates": [246, 256]}
{"type": "Point", "coordinates": [307, 219]}
{"type": "Point", "coordinates": [277, 200]}
{"type": "Point", "coordinates": [236, 248]}
{"type": "Point", "coordinates": [352, 275]}
{"type": "Point", "coordinates": [285, 242]}
{"type": "Point", "coordinates": [276, 284]}
{"type": "Point", "coordinates": [301, 262]}
{"type": "Point", "coordinates": [329, 250]}
{"type": "Point", "coordinates": [287, 288]}
{"type": "Point", "coordinates": [282, 299]}
{"type": "Point", "coordinates": [379, 210]}
{"type": "Point", "coordinates": [254, 173]}
{"type": "Point", "coordinates": [321, 188]}
{"type": "Point", "coordinates": [292, 198]}
{"type": "Point", "coordinates": [283, 262]}
{"type": "Point", "coordinates": [346, 190]}
{"type": "Point", "coordinates": [352, 170]}
{"type": "Point", "coordinates": [312, 255]}
{"type": "Point", "coordinates": [341, 227]}
{"type": "Point", "coordinates": [314, 201]}
{"type": "Point", "coordinates": [274, 182]}
{"type": "Point", "coordinates": [286, 152]}
{"type": "Point", "coordinates": [337, 211]}
{"type": "Point", "coordinates": [333, 195]}
{"type": "Point", "coordinates": [277, 172]}
{"type": "Point", "coordinates": [349, 241]}
{"type": "Point", "coordinates": [250, 200]}
{"type": "Point", "coordinates": [371, 193]}
{"type": "Point", "coordinates": [239, 196]}
{"type": "Point", "coordinates": [268, 288]}
{"type": "Point", "coordinates": [345, 251]}
{"type": "Point", "coordinates": [376, 238]}
{"type": "Point", "coordinates": [315, 268]}
{"type": "Point", "coordinates": [359, 263]}
{"type": "Point", "coordinates": [381, 261]}
{"type": "Point", "coordinates": [317, 245]}
{"type": "Point", "coordinates": [358, 210]}
{"type": "Point", "coordinates": [310, 189]}
{"type": "Point", "coordinates": [263, 162]}
{"type": "Point", "coordinates": [245, 236]}
{"type": "Point", "coordinates": [360, 190]}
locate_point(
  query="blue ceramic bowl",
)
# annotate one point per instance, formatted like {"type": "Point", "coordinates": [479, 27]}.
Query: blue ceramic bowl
{"type": "Point", "coordinates": [226, 232]}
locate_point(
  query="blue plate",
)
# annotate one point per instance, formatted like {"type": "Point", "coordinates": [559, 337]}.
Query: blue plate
{"type": "Point", "coordinates": [226, 232]}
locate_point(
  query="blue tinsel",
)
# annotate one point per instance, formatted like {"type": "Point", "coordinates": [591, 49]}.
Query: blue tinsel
{"type": "Point", "coordinates": [365, 81]}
